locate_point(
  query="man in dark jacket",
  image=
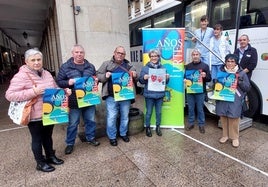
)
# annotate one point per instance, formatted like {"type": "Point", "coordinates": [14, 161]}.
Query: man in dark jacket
{"type": "Point", "coordinates": [197, 99]}
{"type": "Point", "coordinates": [247, 54]}
{"type": "Point", "coordinates": [76, 67]}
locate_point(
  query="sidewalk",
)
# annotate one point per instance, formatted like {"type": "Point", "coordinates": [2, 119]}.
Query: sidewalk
{"type": "Point", "coordinates": [178, 158]}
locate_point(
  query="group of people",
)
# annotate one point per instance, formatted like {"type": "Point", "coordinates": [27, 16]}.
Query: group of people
{"type": "Point", "coordinates": [242, 62]}
{"type": "Point", "coordinates": [21, 88]}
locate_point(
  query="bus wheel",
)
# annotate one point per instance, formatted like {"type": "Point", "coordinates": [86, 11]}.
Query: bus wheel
{"type": "Point", "coordinates": [253, 103]}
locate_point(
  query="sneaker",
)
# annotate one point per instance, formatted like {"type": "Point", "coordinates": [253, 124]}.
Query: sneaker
{"type": "Point", "coordinates": [69, 149]}
{"type": "Point", "coordinates": [223, 139]}
{"type": "Point", "coordinates": [93, 142]}
{"type": "Point", "coordinates": [235, 143]}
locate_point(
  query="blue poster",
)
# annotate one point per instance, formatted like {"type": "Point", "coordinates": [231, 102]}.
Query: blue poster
{"type": "Point", "coordinates": [122, 86]}
{"type": "Point", "coordinates": [55, 107]}
{"type": "Point", "coordinates": [194, 81]}
{"type": "Point", "coordinates": [86, 90]}
{"type": "Point", "coordinates": [225, 87]}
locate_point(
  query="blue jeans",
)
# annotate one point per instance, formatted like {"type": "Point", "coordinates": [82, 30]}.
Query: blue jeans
{"type": "Point", "coordinates": [113, 108]}
{"type": "Point", "coordinates": [88, 114]}
{"type": "Point", "coordinates": [150, 103]}
{"type": "Point", "coordinates": [198, 101]}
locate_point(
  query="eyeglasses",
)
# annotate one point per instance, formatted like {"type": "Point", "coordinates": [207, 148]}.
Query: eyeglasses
{"type": "Point", "coordinates": [119, 53]}
{"type": "Point", "coordinates": [153, 56]}
{"type": "Point", "coordinates": [230, 61]}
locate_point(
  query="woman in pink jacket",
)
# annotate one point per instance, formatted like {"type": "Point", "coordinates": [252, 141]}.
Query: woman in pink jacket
{"type": "Point", "coordinates": [21, 88]}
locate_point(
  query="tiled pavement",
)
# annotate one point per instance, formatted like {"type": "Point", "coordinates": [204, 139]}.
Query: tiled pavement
{"type": "Point", "coordinates": [178, 158]}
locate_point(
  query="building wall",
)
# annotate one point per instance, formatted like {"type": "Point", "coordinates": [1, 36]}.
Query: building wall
{"type": "Point", "coordinates": [101, 26]}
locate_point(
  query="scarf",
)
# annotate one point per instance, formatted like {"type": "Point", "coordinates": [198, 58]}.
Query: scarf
{"type": "Point", "coordinates": [234, 70]}
{"type": "Point", "coordinates": [154, 65]}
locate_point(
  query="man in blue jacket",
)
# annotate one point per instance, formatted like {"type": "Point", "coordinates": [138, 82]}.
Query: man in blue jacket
{"type": "Point", "coordinates": [75, 67]}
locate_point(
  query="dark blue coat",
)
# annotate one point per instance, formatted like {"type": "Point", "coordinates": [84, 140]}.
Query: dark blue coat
{"type": "Point", "coordinates": [234, 109]}
{"type": "Point", "coordinates": [67, 71]}
{"type": "Point", "coordinates": [249, 59]}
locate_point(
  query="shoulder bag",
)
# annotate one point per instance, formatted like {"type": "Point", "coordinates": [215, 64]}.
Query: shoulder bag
{"type": "Point", "coordinates": [20, 111]}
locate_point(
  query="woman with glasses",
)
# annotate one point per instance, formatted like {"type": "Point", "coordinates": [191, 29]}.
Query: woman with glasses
{"type": "Point", "coordinates": [152, 98]}
{"type": "Point", "coordinates": [230, 112]}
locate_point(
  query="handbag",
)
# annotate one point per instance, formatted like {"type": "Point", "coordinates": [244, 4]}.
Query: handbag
{"type": "Point", "coordinates": [20, 111]}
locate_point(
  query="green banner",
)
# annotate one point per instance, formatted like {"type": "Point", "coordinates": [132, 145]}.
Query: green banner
{"type": "Point", "coordinates": [170, 43]}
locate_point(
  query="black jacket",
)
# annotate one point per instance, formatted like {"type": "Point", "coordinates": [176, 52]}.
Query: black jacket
{"type": "Point", "coordinates": [249, 59]}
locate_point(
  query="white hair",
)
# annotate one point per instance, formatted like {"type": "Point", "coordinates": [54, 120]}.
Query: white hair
{"type": "Point", "coordinates": [31, 52]}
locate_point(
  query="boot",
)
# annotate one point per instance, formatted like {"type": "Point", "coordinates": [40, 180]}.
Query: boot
{"type": "Point", "coordinates": [158, 131]}
{"type": "Point", "coordinates": [52, 159]}
{"type": "Point", "coordinates": [43, 166]}
{"type": "Point", "coordinates": [148, 132]}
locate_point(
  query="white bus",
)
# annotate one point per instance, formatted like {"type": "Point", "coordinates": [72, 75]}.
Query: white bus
{"type": "Point", "coordinates": [236, 16]}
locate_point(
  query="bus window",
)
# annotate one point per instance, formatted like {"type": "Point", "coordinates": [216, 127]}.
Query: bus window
{"type": "Point", "coordinates": [223, 13]}
{"type": "Point", "coordinates": [193, 14]}
{"type": "Point", "coordinates": [253, 13]}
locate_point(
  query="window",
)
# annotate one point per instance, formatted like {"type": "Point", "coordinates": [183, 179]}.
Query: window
{"type": "Point", "coordinates": [164, 20]}
{"type": "Point", "coordinates": [255, 12]}
{"type": "Point", "coordinates": [136, 31]}
{"type": "Point", "coordinates": [224, 13]}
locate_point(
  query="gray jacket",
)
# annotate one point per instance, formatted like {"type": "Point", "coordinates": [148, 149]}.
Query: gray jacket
{"type": "Point", "coordinates": [109, 66]}
{"type": "Point", "coordinates": [234, 109]}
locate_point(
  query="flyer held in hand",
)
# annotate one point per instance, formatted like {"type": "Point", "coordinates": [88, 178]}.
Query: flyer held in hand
{"type": "Point", "coordinates": [55, 107]}
{"type": "Point", "coordinates": [86, 90]}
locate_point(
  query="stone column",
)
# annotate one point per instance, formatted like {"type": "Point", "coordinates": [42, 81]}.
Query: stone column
{"type": "Point", "coordinates": [100, 26]}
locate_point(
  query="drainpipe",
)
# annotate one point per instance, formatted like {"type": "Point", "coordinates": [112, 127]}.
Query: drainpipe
{"type": "Point", "coordinates": [237, 24]}
{"type": "Point", "coordinates": [75, 30]}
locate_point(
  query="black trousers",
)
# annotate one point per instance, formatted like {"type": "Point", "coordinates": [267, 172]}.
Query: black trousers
{"type": "Point", "coordinates": [41, 138]}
